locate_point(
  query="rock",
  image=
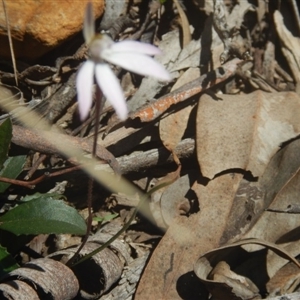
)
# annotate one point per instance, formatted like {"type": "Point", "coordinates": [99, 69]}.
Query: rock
{"type": "Point", "coordinates": [39, 26]}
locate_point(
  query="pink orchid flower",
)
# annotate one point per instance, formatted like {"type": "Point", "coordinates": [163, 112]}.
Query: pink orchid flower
{"type": "Point", "coordinates": [131, 55]}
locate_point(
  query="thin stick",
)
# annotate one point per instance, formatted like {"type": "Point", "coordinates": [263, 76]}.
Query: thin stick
{"type": "Point", "coordinates": [155, 109]}
{"type": "Point", "coordinates": [35, 166]}
{"type": "Point", "coordinates": [10, 43]}
{"type": "Point", "coordinates": [31, 184]}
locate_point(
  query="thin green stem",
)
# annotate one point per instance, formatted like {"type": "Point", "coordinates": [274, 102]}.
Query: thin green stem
{"type": "Point", "coordinates": [98, 107]}
{"type": "Point", "coordinates": [125, 227]}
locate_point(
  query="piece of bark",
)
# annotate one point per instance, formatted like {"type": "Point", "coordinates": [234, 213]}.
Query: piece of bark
{"type": "Point", "coordinates": [99, 273]}
{"type": "Point", "coordinates": [130, 277]}
{"type": "Point", "coordinates": [16, 289]}
{"type": "Point", "coordinates": [47, 277]}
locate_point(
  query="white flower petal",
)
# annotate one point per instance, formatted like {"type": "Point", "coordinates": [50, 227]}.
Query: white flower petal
{"type": "Point", "coordinates": [84, 85]}
{"type": "Point", "coordinates": [88, 24]}
{"type": "Point", "coordinates": [138, 63]}
{"type": "Point", "coordinates": [111, 89]}
{"type": "Point", "coordinates": [135, 47]}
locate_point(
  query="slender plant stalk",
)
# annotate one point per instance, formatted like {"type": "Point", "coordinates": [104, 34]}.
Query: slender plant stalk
{"type": "Point", "coordinates": [98, 107]}
{"type": "Point", "coordinates": [126, 225]}
{"type": "Point", "coordinates": [10, 43]}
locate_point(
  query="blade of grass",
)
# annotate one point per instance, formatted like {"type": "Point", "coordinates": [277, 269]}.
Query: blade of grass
{"type": "Point", "coordinates": [10, 42]}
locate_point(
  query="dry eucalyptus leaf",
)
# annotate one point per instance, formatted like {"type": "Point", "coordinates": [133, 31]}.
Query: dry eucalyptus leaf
{"type": "Point", "coordinates": [269, 62]}
{"type": "Point", "coordinates": [155, 203]}
{"type": "Point", "coordinates": [210, 47]}
{"type": "Point", "coordinates": [237, 15]}
{"type": "Point", "coordinates": [173, 127]}
{"type": "Point", "coordinates": [175, 200]}
{"type": "Point", "coordinates": [241, 286]}
{"type": "Point", "coordinates": [231, 272]}
{"type": "Point", "coordinates": [198, 52]}
{"type": "Point", "coordinates": [275, 190]}
{"type": "Point", "coordinates": [244, 131]}
{"type": "Point", "coordinates": [185, 238]}
{"type": "Point", "coordinates": [290, 45]}
{"type": "Point", "coordinates": [185, 25]}
{"type": "Point", "coordinates": [285, 223]}
{"type": "Point", "coordinates": [280, 184]}
{"type": "Point", "coordinates": [286, 280]}
{"type": "Point", "coordinates": [258, 211]}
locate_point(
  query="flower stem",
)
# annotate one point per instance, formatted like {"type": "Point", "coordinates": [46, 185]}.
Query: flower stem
{"type": "Point", "coordinates": [125, 227]}
{"type": "Point", "coordinates": [98, 108]}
